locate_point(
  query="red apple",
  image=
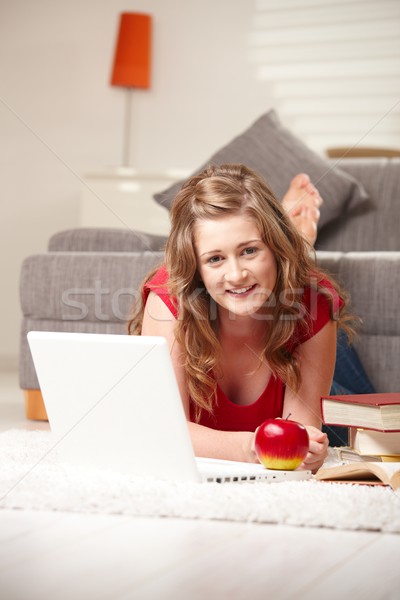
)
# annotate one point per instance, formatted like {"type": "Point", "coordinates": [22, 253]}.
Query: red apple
{"type": "Point", "coordinates": [281, 444]}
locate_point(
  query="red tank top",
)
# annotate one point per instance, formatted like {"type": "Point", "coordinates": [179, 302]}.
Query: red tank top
{"type": "Point", "coordinates": [227, 415]}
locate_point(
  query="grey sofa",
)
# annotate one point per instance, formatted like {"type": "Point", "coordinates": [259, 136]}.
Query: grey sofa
{"type": "Point", "coordinates": [88, 279]}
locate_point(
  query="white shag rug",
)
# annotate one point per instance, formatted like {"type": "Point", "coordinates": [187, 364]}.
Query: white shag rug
{"type": "Point", "coordinates": [31, 477]}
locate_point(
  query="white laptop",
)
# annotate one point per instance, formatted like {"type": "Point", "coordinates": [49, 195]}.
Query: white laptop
{"type": "Point", "coordinates": [113, 402]}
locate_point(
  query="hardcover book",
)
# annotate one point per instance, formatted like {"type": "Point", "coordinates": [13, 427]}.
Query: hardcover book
{"type": "Point", "coordinates": [380, 412]}
{"type": "Point", "coordinates": [380, 443]}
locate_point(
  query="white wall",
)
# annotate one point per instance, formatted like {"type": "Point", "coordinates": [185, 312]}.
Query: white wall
{"type": "Point", "coordinates": [216, 69]}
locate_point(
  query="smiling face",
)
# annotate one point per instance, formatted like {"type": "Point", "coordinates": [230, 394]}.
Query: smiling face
{"type": "Point", "coordinates": [238, 269]}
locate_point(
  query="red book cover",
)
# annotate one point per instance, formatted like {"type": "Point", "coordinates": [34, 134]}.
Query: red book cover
{"type": "Point", "coordinates": [380, 412]}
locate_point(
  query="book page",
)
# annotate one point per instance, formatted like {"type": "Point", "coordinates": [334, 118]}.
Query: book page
{"type": "Point", "coordinates": [390, 468]}
{"type": "Point", "coordinates": [388, 473]}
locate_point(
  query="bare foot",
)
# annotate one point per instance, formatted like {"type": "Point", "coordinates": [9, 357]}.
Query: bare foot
{"type": "Point", "coordinates": [301, 202]}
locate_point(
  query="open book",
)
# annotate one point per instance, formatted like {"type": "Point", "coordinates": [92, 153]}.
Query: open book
{"type": "Point", "coordinates": [387, 473]}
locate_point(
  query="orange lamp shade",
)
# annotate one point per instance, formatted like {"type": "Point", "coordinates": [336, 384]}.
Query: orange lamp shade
{"type": "Point", "coordinates": [132, 60]}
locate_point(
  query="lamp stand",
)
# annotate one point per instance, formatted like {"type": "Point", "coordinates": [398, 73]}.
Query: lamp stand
{"type": "Point", "coordinates": [127, 128]}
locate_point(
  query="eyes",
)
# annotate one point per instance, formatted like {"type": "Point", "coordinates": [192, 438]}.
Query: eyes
{"type": "Point", "coordinates": [250, 250]}
{"type": "Point", "coordinates": [214, 259]}
{"type": "Point", "coordinates": [217, 258]}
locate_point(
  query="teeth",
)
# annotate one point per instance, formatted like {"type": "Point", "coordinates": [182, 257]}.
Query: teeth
{"type": "Point", "coordinates": [241, 290]}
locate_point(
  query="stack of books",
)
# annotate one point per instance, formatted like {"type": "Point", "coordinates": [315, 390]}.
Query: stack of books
{"type": "Point", "coordinates": [373, 421]}
{"type": "Point", "coordinates": [374, 435]}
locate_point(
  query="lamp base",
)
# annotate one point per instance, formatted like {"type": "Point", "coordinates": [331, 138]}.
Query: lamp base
{"type": "Point", "coordinates": [126, 133]}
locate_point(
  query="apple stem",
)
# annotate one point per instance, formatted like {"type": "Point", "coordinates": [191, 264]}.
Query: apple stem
{"type": "Point", "coordinates": [287, 418]}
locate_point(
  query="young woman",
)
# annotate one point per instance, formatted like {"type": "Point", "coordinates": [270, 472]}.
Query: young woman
{"type": "Point", "coordinates": [250, 320]}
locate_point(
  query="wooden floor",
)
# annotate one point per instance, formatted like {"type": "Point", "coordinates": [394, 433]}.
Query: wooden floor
{"type": "Point", "coordinates": [54, 555]}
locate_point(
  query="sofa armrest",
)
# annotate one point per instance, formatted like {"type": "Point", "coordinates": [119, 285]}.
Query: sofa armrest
{"type": "Point", "coordinates": [104, 240]}
{"type": "Point", "coordinates": [91, 286]}
{"type": "Point", "coordinates": [88, 292]}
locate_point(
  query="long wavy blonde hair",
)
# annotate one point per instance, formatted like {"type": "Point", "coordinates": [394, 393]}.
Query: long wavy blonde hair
{"type": "Point", "coordinates": [216, 192]}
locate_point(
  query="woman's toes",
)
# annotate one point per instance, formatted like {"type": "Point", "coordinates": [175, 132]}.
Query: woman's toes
{"type": "Point", "coordinates": [301, 180]}
{"type": "Point", "coordinates": [312, 191]}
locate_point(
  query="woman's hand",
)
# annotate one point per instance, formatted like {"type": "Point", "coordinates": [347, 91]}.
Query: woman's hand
{"type": "Point", "coordinates": [318, 449]}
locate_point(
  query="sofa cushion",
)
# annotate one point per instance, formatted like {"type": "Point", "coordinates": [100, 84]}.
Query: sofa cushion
{"type": "Point", "coordinates": [104, 239]}
{"type": "Point", "coordinates": [273, 151]}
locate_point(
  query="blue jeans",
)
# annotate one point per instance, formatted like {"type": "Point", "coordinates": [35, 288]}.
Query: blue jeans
{"type": "Point", "coordinates": [349, 378]}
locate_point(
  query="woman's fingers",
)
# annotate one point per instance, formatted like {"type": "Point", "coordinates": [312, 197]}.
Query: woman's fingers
{"type": "Point", "coordinates": [318, 448]}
